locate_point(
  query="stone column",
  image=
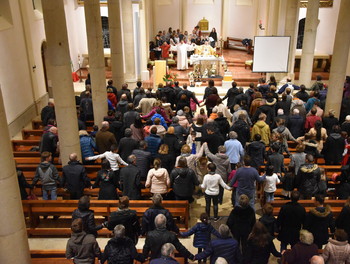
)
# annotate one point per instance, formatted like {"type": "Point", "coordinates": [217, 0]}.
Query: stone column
{"type": "Point", "coordinates": [14, 246]}
{"type": "Point", "coordinates": [339, 59]}
{"type": "Point", "coordinates": [116, 41]}
{"type": "Point", "coordinates": [183, 12]}
{"type": "Point", "coordinates": [62, 85]}
{"type": "Point", "coordinates": [96, 59]}
{"type": "Point", "coordinates": [224, 18]}
{"type": "Point", "coordinates": [128, 33]}
{"type": "Point", "coordinates": [291, 29]}
{"type": "Point", "coordinates": [143, 41]}
{"type": "Point", "coordinates": [272, 18]}
{"type": "Point", "coordinates": [307, 56]}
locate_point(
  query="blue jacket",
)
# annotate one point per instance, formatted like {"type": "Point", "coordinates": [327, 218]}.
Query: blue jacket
{"type": "Point", "coordinates": [162, 121]}
{"type": "Point", "coordinates": [310, 103]}
{"type": "Point", "coordinates": [226, 248]}
{"type": "Point", "coordinates": [153, 143]}
{"type": "Point", "coordinates": [87, 145]}
{"type": "Point", "coordinates": [202, 233]}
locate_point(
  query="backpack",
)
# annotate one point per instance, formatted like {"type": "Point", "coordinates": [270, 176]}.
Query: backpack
{"type": "Point", "coordinates": [45, 177]}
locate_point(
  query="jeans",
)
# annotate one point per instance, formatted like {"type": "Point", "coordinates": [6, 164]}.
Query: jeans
{"type": "Point", "coordinates": [53, 193]}
{"type": "Point", "coordinates": [221, 194]}
{"type": "Point", "coordinates": [215, 199]}
{"type": "Point", "coordinates": [251, 199]}
{"type": "Point", "coordinates": [269, 197]}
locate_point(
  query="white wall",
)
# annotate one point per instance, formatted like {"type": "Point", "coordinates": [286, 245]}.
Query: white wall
{"type": "Point", "coordinates": [196, 11]}
{"type": "Point", "coordinates": [242, 20]}
{"type": "Point", "coordinates": [327, 27]}
{"type": "Point", "coordinates": [15, 78]}
{"type": "Point", "coordinates": [167, 14]}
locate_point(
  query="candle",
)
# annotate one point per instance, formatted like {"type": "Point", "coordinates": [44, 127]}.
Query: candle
{"type": "Point", "coordinates": [260, 22]}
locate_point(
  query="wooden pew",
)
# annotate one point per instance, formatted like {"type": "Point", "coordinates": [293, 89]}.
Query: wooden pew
{"type": "Point", "coordinates": [24, 145]}
{"type": "Point", "coordinates": [59, 257]}
{"type": "Point", "coordinates": [336, 205]}
{"type": "Point", "coordinates": [33, 209]}
{"type": "Point", "coordinates": [37, 124]}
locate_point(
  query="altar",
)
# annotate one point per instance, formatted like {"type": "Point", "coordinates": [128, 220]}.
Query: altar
{"type": "Point", "coordinates": [206, 66]}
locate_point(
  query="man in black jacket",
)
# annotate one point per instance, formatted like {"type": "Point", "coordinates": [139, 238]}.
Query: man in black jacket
{"type": "Point", "coordinates": [157, 238]}
{"type": "Point", "coordinates": [48, 112]}
{"type": "Point", "coordinates": [127, 144]}
{"type": "Point", "coordinates": [74, 177]}
{"type": "Point", "coordinates": [231, 94]}
{"type": "Point", "coordinates": [290, 220]}
{"type": "Point", "coordinates": [143, 159]}
{"type": "Point", "coordinates": [121, 249]}
{"type": "Point", "coordinates": [153, 211]}
{"type": "Point", "coordinates": [126, 217]}
{"type": "Point", "coordinates": [48, 141]}
{"type": "Point", "coordinates": [130, 179]}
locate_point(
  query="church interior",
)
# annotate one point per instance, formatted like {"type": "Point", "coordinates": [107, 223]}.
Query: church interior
{"type": "Point", "coordinates": [48, 48]}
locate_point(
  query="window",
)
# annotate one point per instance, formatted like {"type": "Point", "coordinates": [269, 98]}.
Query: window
{"type": "Point", "coordinates": [105, 32]}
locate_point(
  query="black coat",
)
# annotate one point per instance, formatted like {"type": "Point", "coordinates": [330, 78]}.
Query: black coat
{"type": "Point", "coordinates": [183, 181]}
{"type": "Point", "coordinates": [268, 110]}
{"type": "Point", "coordinates": [143, 161]}
{"type": "Point", "coordinates": [74, 177]}
{"type": "Point", "coordinates": [307, 179]}
{"type": "Point", "coordinates": [270, 223]}
{"type": "Point", "coordinates": [214, 141]}
{"type": "Point", "coordinates": [241, 222]}
{"type": "Point", "coordinates": [130, 181]}
{"type": "Point", "coordinates": [328, 123]}
{"type": "Point", "coordinates": [126, 146]}
{"type": "Point", "coordinates": [151, 213]}
{"type": "Point", "coordinates": [168, 161]}
{"type": "Point", "coordinates": [343, 220]}
{"type": "Point", "coordinates": [259, 255]}
{"type": "Point", "coordinates": [173, 143]}
{"type": "Point", "coordinates": [121, 251]}
{"type": "Point", "coordinates": [128, 218]}
{"type": "Point", "coordinates": [107, 181]}
{"type": "Point", "coordinates": [277, 161]}
{"type": "Point", "coordinates": [243, 131]}
{"type": "Point", "coordinates": [343, 189]}
{"type": "Point", "coordinates": [318, 220]}
{"type": "Point", "coordinates": [296, 125]}
{"type": "Point", "coordinates": [23, 184]}
{"type": "Point", "coordinates": [230, 95]}
{"type": "Point", "coordinates": [333, 149]}
{"type": "Point", "coordinates": [48, 142]}
{"type": "Point", "coordinates": [289, 222]}
{"type": "Point", "coordinates": [47, 113]}
{"type": "Point", "coordinates": [157, 238]}
{"type": "Point", "coordinates": [88, 219]}
{"type": "Point", "coordinates": [223, 125]}
{"type": "Point", "coordinates": [257, 151]}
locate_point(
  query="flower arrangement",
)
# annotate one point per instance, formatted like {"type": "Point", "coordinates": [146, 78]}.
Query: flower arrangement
{"type": "Point", "coordinates": [170, 77]}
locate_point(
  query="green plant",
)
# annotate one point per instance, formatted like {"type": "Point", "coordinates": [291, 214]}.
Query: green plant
{"type": "Point", "coordinates": [170, 77]}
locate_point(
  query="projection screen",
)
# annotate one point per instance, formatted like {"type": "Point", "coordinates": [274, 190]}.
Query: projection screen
{"type": "Point", "coordinates": [271, 54]}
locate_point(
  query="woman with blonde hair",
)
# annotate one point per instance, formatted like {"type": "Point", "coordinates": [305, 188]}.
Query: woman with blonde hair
{"type": "Point", "coordinates": [158, 178]}
{"type": "Point", "coordinates": [167, 159]}
{"type": "Point", "coordinates": [190, 158]}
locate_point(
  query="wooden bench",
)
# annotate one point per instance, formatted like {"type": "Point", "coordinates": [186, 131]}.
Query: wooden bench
{"type": "Point", "coordinates": [236, 43]}
{"type": "Point", "coordinates": [24, 145]}
{"type": "Point", "coordinates": [59, 257]}
{"type": "Point", "coordinates": [336, 205]}
{"type": "Point", "coordinates": [38, 124]}
{"type": "Point", "coordinates": [33, 209]}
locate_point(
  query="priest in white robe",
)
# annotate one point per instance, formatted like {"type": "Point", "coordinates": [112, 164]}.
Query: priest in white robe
{"type": "Point", "coordinates": [182, 61]}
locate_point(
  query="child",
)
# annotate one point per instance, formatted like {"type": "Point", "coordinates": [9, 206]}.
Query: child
{"type": "Point", "coordinates": [191, 141]}
{"type": "Point", "coordinates": [288, 182]}
{"type": "Point", "coordinates": [147, 127]}
{"type": "Point", "coordinates": [202, 232]}
{"type": "Point", "coordinates": [270, 184]}
{"type": "Point", "coordinates": [268, 219]}
{"type": "Point", "coordinates": [211, 184]}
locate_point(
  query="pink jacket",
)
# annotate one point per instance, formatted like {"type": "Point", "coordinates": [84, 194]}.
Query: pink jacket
{"type": "Point", "coordinates": [158, 180]}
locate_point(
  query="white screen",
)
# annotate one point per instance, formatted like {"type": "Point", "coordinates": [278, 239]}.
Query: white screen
{"type": "Point", "coordinates": [271, 54]}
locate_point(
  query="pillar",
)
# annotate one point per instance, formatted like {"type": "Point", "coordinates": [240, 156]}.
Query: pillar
{"type": "Point", "coordinates": [272, 18]}
{"type": "Point", "coordinates": [62, 85]}
{"type": "Point", "coordinates": [143, 41]}
{"type": "Point", "coordinates": [128, 33]}
{"type": "Point", "coordinates": [307, 56]}
{"type": "Point", "coordinates": [224, 18]}
{"type": "Point", "coordinates": [339, 59]}
{"type": "Point", "coordinates": [116, 41]}
{"type": "Point", "coordinates": [183, 15]}
{"type": "Point", "coordinates": [96, 58]}
{"type": "Point", "coordinates": [291, 29]}
{"type": "Point", "coordinates": [14, 246]}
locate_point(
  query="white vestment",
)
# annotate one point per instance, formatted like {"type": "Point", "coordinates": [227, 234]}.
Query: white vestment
{"type": "Point", "coordinates": [182, 63]}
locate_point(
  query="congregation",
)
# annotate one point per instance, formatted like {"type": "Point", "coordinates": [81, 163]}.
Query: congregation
{"type": "Point", "coordinates": [182, 148]}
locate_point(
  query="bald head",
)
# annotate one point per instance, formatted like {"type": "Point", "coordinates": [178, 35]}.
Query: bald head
{"type": "Point", "coordinates": [105, 125]}
{"type": "Point", "coordinates": [316, 260]}
{"type": "Point", "coordinates": [73, 157]}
